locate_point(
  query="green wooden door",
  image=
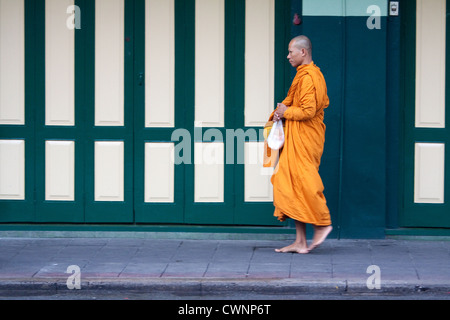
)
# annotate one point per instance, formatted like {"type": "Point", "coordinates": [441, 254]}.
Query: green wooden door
{"type": "Point", "coordinates": [17, 123]}
{"type": "Point", "coordinates": [83, 82]}
{"type": "Point", "coordinates": [427, 137]}
{"type": "Point", "coordinates": [160, 109]}
{"type": "Point", "coordinates": [202, 53]}
{"type": "Point", "coordinates": [109, 114]}
{"type": "Point", "coordinates": [132, 114]}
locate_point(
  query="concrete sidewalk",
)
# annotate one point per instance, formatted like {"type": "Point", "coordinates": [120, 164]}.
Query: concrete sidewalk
{"type": "Point", "coordinates": [211, 267]}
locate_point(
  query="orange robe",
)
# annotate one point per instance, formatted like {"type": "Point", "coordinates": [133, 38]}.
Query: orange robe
{"type": "Point", "coordinates": [297, 186]}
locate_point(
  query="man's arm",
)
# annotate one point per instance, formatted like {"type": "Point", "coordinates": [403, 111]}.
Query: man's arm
{"type": "Point", "coordinates": [307, 106]}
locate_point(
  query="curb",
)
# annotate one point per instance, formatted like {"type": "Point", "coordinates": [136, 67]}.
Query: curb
{"type": "Point", "coordinates": [211, 287]}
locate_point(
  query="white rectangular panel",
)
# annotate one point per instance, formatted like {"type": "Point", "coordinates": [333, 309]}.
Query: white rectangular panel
{"type": "Point", "coordinates": [60, 170]}
{"type": "Point", "coordinates": [429, 173]}
{"type": "Point", "coordinates": [258, 187]}
{"type": "Point", "coordinates": [209, 172]}
{"type": "Point", "coordinates": [210, 62]}
{"type": "Point", "coordinates": [259, 61]}
{"type": "Point", "coordinates": [430, 63]}
{"type": "Point", "coordinates": [160, 63]}
{"type": "Point", "coordinates": [12, 62]}
{"type": "Point", "coordinates": [59, 65]}
{"type": "Point", "coordinates": [109, 62]}
{"type": "Point", "coordinates": [12, 169]}
{"type": "Point", "coordinates": [109, 171]}
{"type": "Point", "coordinates": [159, 172]}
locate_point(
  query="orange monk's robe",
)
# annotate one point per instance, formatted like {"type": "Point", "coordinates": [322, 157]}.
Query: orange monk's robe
{"type": "Point", "coordinates": [298, 188]}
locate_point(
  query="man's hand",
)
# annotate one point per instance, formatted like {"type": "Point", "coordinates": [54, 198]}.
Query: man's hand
{"type": "Point", "coordinates": [279, 112]}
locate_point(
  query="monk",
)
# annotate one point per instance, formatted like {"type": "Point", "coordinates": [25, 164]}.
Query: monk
{"type": "Point", "coordinates": [297, 186]}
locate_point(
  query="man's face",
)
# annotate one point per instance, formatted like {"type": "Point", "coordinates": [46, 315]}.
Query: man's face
{"type": "Point", "coordinates": [296, 56]}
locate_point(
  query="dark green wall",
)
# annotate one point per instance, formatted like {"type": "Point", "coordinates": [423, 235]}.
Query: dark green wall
{"type": "Point", "coordinates": [354, 61]}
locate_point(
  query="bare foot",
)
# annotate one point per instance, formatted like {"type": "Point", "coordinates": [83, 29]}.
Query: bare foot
{"type": "Point", "coordinates": [294, 248]}
{"type": "Point", "coordinates": [320, 234]}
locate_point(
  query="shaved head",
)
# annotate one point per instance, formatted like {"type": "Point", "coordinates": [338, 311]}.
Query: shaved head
{"type": "Point", "coordinates": [302, 42]}
{"type": "Point", "coordinates": [300, 51]}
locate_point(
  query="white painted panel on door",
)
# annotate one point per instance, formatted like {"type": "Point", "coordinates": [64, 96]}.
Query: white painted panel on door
{"type": "Point", "coordinates": [209, 172]}
{"type": "Point", "coordinates": [159, 172]}
{"type": "Point", "coordinates": [259, 61]}
{"type": "Point", "coordinates": [160, 63]}
{"type": "Point", "coordinates": [60, 170]}
{"type": "Point", "coordinates": [210, 62]}
{"type": "Point", "coordinates": [109, 171]}
{"type": "Point", "coordinates": [430, 63]}
{"type": "Point", "coordinates": [12, 170]}
{"type": "Point", "coordinates": [429, 173]}
{"type": "Point", "coordinates": [12, 62]}
{"type": "Point", "coordinates": [258, 187]}
{"type": "Point", "coordinates": [59, 65]}
{"type": "Point", "coordinates": [109, 62]}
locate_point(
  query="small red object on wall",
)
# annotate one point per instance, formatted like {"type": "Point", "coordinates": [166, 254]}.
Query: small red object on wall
{"type": "Point", "coordinates": [297, 20]}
